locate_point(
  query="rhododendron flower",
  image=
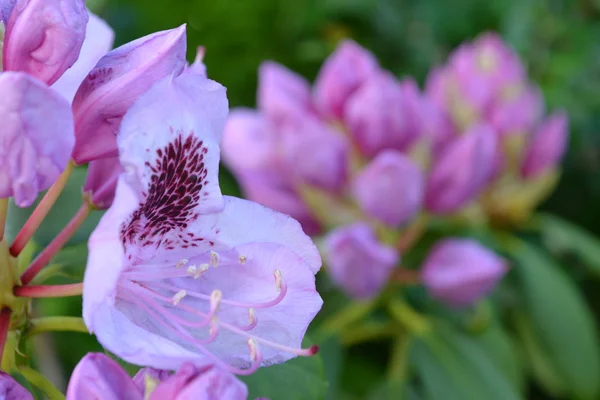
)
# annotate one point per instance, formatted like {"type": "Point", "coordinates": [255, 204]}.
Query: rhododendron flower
{"type": "Point", "coordinates": [97, 376]}
{"type": "Point", "coordinates": [176, 271]}
{"type": "Point", "coordinates": [37, 137]}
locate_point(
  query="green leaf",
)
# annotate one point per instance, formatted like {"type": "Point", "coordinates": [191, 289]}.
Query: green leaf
{"type": "Point", "coordinates": [562, 236]}
{"type": "Point", "coordinates": [300, 378]}
{"type": "Point", "coordinates": [452, 367]}
{"type": "Point", "coordinates": [561, 319]}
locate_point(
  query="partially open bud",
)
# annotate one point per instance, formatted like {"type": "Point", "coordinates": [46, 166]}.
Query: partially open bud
{"type": "Point", "coordinates": [342, 74]}
{"type": "Point", "coordinates": [377, 117]}
{"type": "Point", "coordinates": [11, 390]}
{"type": "Point", "coordinates": [547, 146]}
{"type": "Point", "coordinates": [461, 271]}
{"type": "Point", "coordinates": [37, 137]}
{"type": "Point", "coordinates": [517, 111]}
{"type": "Point", "coordinates": [282, 94]}
{"type": "Point", "coordinates": [118, 79]}
{"type": "Point", "coordinates": [357, 261]}
{"type": "Point", "coordinates": [43, 37]}
{"type": "Point", "coordinates": [101, 181]}
{"type": "Point", "coordinates": [390, 188]}
{"type": "Point", "coordinates": [462, 170]}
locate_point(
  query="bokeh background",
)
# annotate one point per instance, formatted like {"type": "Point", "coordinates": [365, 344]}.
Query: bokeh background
{"type": "Point", "coordinates": [558, 40]}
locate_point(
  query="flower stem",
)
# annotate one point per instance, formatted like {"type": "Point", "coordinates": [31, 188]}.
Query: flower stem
{"type": "Point", "coordinates": [72, 289]}
{"type": "Point", "coordinates": [4, 325]}
{"type": "Point", "coordinates": [40, 212]}
{"type": "Point", "coordinates": [46, 324]}
{"type": "Point", "coordinates": [57, 243]}
{"type": "Point", "coordinates": [3, 211]}
{"type": "Point", "coordinates": [40, 381]}
{"type": "Point", "coordinates": [412, 320]}
{"type": "Point", "coordinates": [348, 315]}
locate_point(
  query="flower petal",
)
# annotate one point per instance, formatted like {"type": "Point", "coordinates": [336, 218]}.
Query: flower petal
{"type": "Point", "coordinates": [11, 390]}
{"type": "Point", "coordinates": [37, 136]}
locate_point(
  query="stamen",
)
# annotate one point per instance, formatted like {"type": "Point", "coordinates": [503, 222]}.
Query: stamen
{"type": "Point", "coordinates": [243, 259]}
{"type": "Point", "coordinates": [255, 356]}
{"type": "Point", "coordinates": [181, 262]}
{"type": "Point", "coordinates": [214, 259]}
{"type": "Point", "coordinates": [278, 279]}
{"type": "Point", "coordinates": [177, 297]}
{"type": "Point", "coordinates": [201, 269]}
{"type": "Point", "coordinates": [252, 319]}
{"type": "Point", "coordinates": [215, 300]}
{"type": "Point", "coordinates": [154, 275]}
{"type": "Point", "coordinates": [191, 270]}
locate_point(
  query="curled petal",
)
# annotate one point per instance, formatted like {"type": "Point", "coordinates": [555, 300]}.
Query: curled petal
{"type": "Point", "coordinates": [43, 37]}
{"type": "Point", "coordinates": [37, 136]}
{"type": "Point", "coordinates": [97, 376]}
{"type": "Point", "coordinates": [116, 82]}
{"type": "Point", "coordinates": [98, 41]}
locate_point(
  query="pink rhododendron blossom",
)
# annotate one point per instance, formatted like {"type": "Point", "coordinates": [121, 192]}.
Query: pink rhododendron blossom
{"type": "Point", "coordinates": [547, 146]}
{"type": "Point", "coordinates": [390, 188]}
{"type": "Point", "coordinates": [43, 37]}
{"type": "Point", "coordinates": [118, 79]}
{"type": "Point", "coordinates": [101, 181]}
{"type": "Point", "coordinates": [341, 75]}
{"type": "Point", "coordinates": [97, 377]}
{"type": "Point", "coordinates": [37, 136]}
{"type": "Point", "coordinates": [357, 261]}
{"type": "Point", "coordinates": [177, 272]}
{"type": "Point", "coordinates": [11, 390]}
{"type": "Point", "coordinates": [98, 41]}
{"type": "Point", "coordinates": [518, 113]}
{"type": "Point", "coordinates": [461, 271]}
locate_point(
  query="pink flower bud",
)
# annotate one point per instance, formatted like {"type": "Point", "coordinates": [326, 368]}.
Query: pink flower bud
{"type": "Point", "coordinates": [315, 153]}
{"type": "Point", "coordinates": [376, 115]}
{"type": "Point", "coordinates": [37, 136]}
{"type": "Point", "coordinates": [437, 127]}
{"type": "Point", "coordinates": [461, 271]}
{"type": "Point", "coordinates": [547, 146]}
{"type": "Point", "coordinates": [357, 262]}
{"type": "Point", "coordinates": [390, 188]}
{"type": "Point", "coordinates": [282, 94]}
{"type": "Point", "coordinates": [342, 73]}
{"type": "Point", "coordinates": [118, 79]}
{"type": "Point", "coordinates": [517, 113]}
{"type": "Point", "coordinates": [11, 390]}
{"type": "Point", "coordinates": [43, 37]}
{"type": "Point", "coordinates": [462, 170]}
{"type": "Point", "coordinates": [101, 181]}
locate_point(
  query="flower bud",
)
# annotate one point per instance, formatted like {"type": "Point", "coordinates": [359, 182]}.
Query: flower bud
{"type": "Point", "coordinates": [98, 41]}
{"type": "Point", "coordinates": [282, 94]}
{"type": "Point", "coordinates": [11, 390]}
{"type": "Point", "coordinates": [118, 79]}
{"type": "Point", "coordinates": [547, 146]}
{"type": "Point", "coordinates": [315, 154]}
{"type": "Point", "coordinates": [461, 271]}
{"type": "Point", "coordinates": [518, 111]}
{"type": "Point", "coordinates": [437, 127]}
{"type": "Point", "coordinates": [462, 170]}
{"type": "Point", "coordinates": [390, 188]}
{"type": "Point", "coordinates": [357, 261]}
{"type": "Point", "coordinates": [43, 37]}
{"type": "Point", "coordinates": [37, 137]}
{"type": "Point", "coordinates": [376, 115]}
{"type": "Point", "coordinates": [342, 74]}
{"type": "Point", "coordinates": [101, 181]}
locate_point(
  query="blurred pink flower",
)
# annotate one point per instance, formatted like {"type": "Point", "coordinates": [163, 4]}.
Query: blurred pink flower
{"type": "Point", "coordinates": [518, 113]}
{"type": "Point", "coordinates": [390, 188]}
{"type": "Point", "coordinates": [43, 37]}
{"type": "Point", "coordinates": [547, 146]}
{"type": "Point", "coordinates": [118, 79]}
{"type": "Point", "coordinates": [357, 262]}
{"type": "Point", "coordinates": [341, 75]}
{"type": "Point", "coordinates": [462, 170]}
{"type": "Point", "coordinates": [461, 271]}
{"type": "Point", "coordinates": [177, 272]}
{"type": "Point", "coordinates": [37, 136]}
{"type": "Point", "coordinates": [11, 390]}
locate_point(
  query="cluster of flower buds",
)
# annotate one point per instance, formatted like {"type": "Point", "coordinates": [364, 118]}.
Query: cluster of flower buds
{"type": "Point", "coordinates": [366, 159]}
{"type": "Point", "coordinates": [149, 125]}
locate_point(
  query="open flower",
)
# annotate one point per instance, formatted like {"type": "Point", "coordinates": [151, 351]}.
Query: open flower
{"type": "Point", "coordinates": [177, 272]}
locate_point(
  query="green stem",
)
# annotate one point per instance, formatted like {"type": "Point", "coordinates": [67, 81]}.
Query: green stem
{"type": "Point", "coordinates": [397, 367]}
{"type": "Point", "coordinates": [348, 315]}
{"type": "Point", "coordinates": [368, 332]}
{"type": "Point", "coordinates": [46, 324]}
{"type": "Point", "coordinates": [408, 317]}
{"type": "Point", "coordinates": [40, 381]}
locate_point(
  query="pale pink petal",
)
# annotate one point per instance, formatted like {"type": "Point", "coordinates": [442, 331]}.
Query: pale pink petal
{"type": "Point", "coordinates": [116, 82]}
{"type": "Point", "coordinates": [43, 37]}
{"type": "Point", "coordinates": [97, 377]}
{"type": "Point", "coordinates": [213, 384]}
{"type": "Point", "coordinates": [98, 41]}
{"type": "Point", "coordinates": [11, 390]}
{"type": "Point", "coordinates": [36, 138]}
{"type": "Point", "coordinates": [198, 67]}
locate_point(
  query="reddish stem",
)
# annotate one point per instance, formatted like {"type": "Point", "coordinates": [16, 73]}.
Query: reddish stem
{"type": "Point", "coordinates": [4, 325]}
{"type": "Point", "coordinates": [71, 289]}
{"type": "Point", "coordinates": [57, 243]}
{"type": "Point", "coordinates": [40, 212]}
